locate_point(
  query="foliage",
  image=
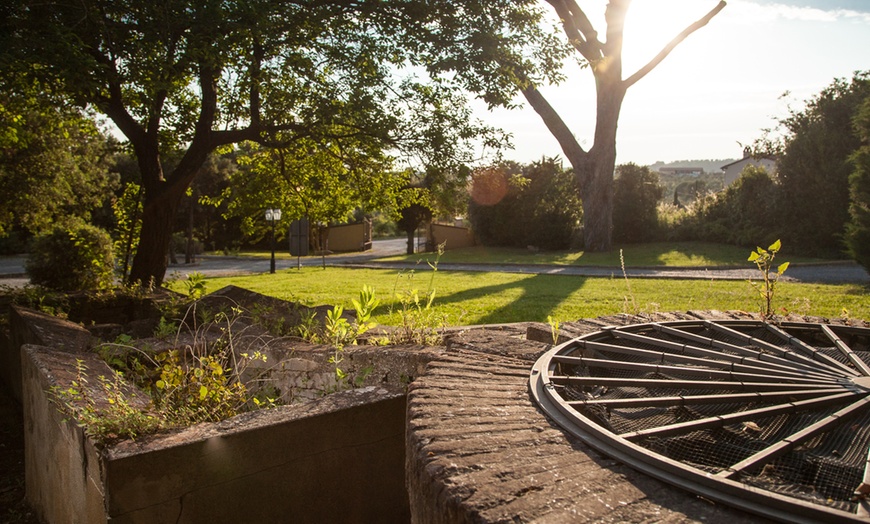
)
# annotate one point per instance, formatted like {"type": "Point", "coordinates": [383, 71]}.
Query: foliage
{"type": "Point", "coordinates": [419, 322]}
{"type": "Point", "coordinates": [72, 259]}
{"type": "Point", "coordinates": [338, 332]}
{"type": "Point", "coordinates": [763, 259]}
{"type": "Point", "coordinates": [201, 387]}
{"type": "Point", "coordinates": [858, 228]}
{"type": "Point", "coordinates": [116, 419]}
{"type": "Point", "coordinates": [306, 179]}
{"type": "Point", "coordinates": [128, 219]}
{"type": "Point", "coordinates": [813, 166]}
{"type": "Point", "coordinates": [533, 205]}
{"type": "Point", "coordinates": [196, 285]}
{"type": "Point", "coordinates": [746, 209]}
{"type": "Point", "coordinates": [187, 384]}
{"type": "Point", "coordinates": [187, 78]}
{"type": "Point", "coordinates": [53, 159]}
{"type": "Point", "coordinates": [636, 193]}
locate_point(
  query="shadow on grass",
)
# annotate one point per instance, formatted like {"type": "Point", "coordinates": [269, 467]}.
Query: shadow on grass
{"type": "Point", "coordinates": [540, 296]}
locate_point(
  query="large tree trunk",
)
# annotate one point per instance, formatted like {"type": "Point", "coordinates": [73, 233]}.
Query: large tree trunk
{"type": "Point", "coordinates": [158, 218]}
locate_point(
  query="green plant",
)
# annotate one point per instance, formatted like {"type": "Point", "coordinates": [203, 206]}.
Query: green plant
{"type": "Point", "coordinates": [195, 284]}
{"type": "Point", "coordinates": [165, 329]}
{"type": "Point", "coordinates": [554, 328]}
{"type": "Point", "coordinates": [339, 332]}
{"type": "Point", "coordinates": [763, 259]}
{"type": "Point", "coordinates": [200, 381]}
{"type": "Point", "coordinates": [113, 417]}
{"type": "Point", "coordinates": [420, 323]}
{"type": "Point", "coordinates": [72, 259]}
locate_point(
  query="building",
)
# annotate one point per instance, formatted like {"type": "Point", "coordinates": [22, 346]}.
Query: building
{"type": "Point", "coordinates": [732, 171]}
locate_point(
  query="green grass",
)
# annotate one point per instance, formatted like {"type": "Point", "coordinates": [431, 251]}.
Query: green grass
{"type": "Point", "coordinates": [671, 254]}
{"type": "Point", "coordinates": [466, 298]}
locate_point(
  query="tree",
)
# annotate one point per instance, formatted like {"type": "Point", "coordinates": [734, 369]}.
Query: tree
{"type": "Point", "coordinates": [53, 161]}
{"type": "Point", "coordinates": [532, 205]}
{"type": "Point", "coordinates": [324, 183]}
{"type": "Point", "coordinates": [858, 228]}
{"type": "Point", "coordinates": [813, 166]}
{"type": "Point", "coordinates": [637, 192]}
{"type": "Point", "coordinates": [496, 63]}
{"type": "Point", "coordinates": [410, 218]}
{"type": "Point", "coordinates": [198, 75]}
{"type": "Point", "coordinates": [594, 168]}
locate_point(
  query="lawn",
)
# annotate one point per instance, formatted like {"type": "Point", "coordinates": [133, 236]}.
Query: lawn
{"type": "Point", "coordinates": [657, 254]}
{"type": "Point", "coordinates": [465, 298]}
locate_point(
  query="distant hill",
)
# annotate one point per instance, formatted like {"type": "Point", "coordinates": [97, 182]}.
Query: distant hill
{"type": "Point", "coordinates": [709, 165]}
{"type": "Point", "coordinates": [713, 179]}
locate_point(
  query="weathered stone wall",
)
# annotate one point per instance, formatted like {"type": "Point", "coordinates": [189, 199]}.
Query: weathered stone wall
{"type": "Point", "coordinates": [62, 467]}
{"type": "Point", "coordinates": [337, 458]}
{"type": "Point", "coordinates": [340, 458]}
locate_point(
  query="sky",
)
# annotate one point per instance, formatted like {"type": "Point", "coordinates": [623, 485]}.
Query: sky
{"type": "Point", "coordinates": [717, 90]}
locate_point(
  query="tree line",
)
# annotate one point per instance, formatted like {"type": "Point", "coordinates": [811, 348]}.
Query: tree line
{"type": "Point", "coordinates": [374, 93]}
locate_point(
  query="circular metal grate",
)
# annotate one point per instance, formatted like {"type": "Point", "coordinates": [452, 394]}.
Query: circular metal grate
{"type": "Point", "coordinates": [770, 418]}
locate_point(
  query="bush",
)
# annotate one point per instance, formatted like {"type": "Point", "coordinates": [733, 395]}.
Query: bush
{"type": "Point", "coordinates": [636, 194]}
{"type": "Point", "coordinates": [539, 207]}
{"type": "Point", "coordinates": [744, 214]}
{"type": "Point", "coordinates": [858, 229]}
{"type": "Point", "coordinates": [72, 259]}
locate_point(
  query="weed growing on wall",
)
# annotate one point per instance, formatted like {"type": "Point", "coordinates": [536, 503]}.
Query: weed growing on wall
{"type": "Point", "coordinates": [113, 418]}
{"type": "Point", "coordinates": [420, 323]}
{"type": "Point", "coordinates": [198, 380]}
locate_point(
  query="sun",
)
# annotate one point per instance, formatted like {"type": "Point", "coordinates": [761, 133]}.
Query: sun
{"type": "Point", "coordinates": [651, 24]}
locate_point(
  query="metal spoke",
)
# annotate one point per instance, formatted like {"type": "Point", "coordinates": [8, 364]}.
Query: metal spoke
{"type": "Point", "coordinates": [732, 418]}
{"type": "Point", "coordinates": [789, 442]}
{"type": "Point", "coordinates": [814, 353]}
{"type": "Point", "coordinates": [847, 351]}
{"type": "Point", "coordinates": [688, 400]}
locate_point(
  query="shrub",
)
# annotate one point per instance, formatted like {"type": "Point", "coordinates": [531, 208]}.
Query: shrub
{"type": "Point", "coordinates": [538, 207]}
{"type": "Point", "coordinates": [636, 194]}
{"type": "Point", "coordinates": [858, 228]}
{"type": "Point", "coordinates": [745, 212]}
{"type": "Point", "coordinates": [76, 258]}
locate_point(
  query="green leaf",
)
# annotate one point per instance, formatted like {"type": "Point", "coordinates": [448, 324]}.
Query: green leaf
{"type": "Point", "coordinates": [160, 384]}
{"type": "Point", "coordinates": [782, 267]}
{"type": "Point", "coordinates": [753, 256]}
{"type": "Point", "coordinates": [775, 246]}
{"type": "Point", "coordinates": [203, 391]}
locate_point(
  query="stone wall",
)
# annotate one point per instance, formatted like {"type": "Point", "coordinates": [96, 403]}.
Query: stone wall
{"type": "Point", "coordinates": [327, 457]}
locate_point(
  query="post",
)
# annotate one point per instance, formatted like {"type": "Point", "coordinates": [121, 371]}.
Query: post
{"type": "Point", "coordinates": [272, 265]}
{"type": "Point", "coordinates": [273, 215]}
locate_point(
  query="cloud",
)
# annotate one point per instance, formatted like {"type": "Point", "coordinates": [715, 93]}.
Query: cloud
{"type": "Point", "coordinates": [807, 11]}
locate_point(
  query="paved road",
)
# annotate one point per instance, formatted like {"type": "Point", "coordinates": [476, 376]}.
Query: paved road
{"type": "Point", "coordinates": [12, 268]}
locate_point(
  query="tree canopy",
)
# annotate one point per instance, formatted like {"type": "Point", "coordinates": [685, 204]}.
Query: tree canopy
{"type": "Point", "coordinates": [188, 76]}
{"type": "Point", "coordinates": [813, 165]}
{"type": "Point", "coordinates": [53, 161]}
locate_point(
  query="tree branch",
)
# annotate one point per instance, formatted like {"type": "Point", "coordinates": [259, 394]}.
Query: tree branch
{"type": "Point", "coordinates": [578, 28]}
{"type": "Point", "coordinates": [554, 123]}
{"type": "Point", "coordinates": [642, 72]}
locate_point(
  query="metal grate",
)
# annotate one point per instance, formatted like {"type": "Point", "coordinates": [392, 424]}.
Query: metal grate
{"type": "Point", "coordinates": [774, 419]}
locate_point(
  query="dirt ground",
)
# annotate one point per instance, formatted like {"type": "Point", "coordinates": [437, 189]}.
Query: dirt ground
{"type": "Point", "coordinates": [13, 507]}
